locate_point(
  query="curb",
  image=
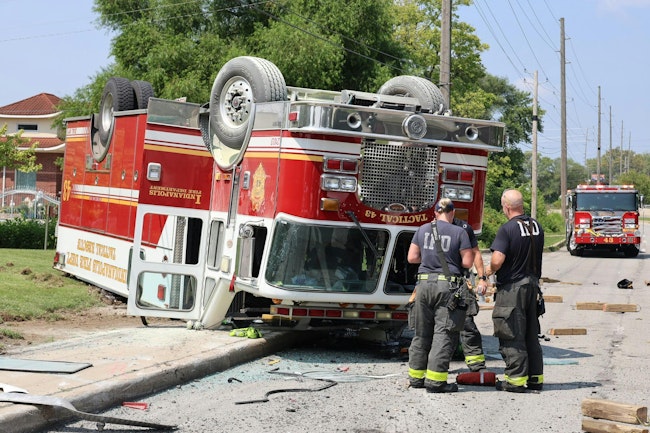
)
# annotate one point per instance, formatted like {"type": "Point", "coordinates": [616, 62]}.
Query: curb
{"type": "Point", "coordinates": [135, 384]}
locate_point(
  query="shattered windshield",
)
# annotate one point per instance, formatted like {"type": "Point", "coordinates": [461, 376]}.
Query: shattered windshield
{"type": "Point", "coordinates": [606, 201]}
{"type": "Point", "coordinates": [308, 257]}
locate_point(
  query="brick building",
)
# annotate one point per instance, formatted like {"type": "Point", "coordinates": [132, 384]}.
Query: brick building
{"type": "Point", "coordinates": [34, 116]}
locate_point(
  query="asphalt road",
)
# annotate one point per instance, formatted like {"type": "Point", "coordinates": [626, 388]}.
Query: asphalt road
{"type": "Point", "coordinates": [369, 393]}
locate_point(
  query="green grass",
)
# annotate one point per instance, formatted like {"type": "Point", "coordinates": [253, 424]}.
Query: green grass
{"type": "Point", "coordinates": [553, 238]}
{"type": "Point", "coordinates": [31, 289]}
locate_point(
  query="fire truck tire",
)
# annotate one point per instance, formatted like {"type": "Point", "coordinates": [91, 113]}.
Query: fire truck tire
{"type": "Point", "coordinates": [429, 95]}
{"type": "Point", "coordinates": [118, 96]}
{"type": "Point", "coordinates": [571, 246]}
{"type": "Point", "coordinates": [142, 91]}
{"type": "Point", "coordinates": [631, 251]}
{"type": "Point", "coordinates": [240, 83]}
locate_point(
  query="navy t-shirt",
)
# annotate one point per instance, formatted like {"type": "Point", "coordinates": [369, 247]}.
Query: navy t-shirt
{"type": "Point", "coordinates": [452, 240]}
{"type": "Point", "coordinates": [470, 231]}
{"type": "Point", "coordinates": [513, 240]}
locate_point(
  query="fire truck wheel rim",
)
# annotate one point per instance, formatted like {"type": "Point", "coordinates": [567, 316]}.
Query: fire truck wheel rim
{"type": "Point", "coordinates": [235, 102]}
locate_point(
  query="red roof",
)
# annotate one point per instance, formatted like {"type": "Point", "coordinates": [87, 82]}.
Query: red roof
{"type": "Point", "coordinates": [43, 143]}
{"type": "Point", "coordinates": [46, 143]}
{"type": "Point", "coordinates": [43, 103]}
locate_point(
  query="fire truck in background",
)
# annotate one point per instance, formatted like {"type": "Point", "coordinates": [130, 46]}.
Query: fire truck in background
{"type": "Point", "coordinates": [603, 217]}
{"type": "Point", "coordinates": [295, 205]}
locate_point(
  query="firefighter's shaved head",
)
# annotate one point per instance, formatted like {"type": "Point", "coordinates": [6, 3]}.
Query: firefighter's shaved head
{"type": "Point", "coordinates": [513, 200]}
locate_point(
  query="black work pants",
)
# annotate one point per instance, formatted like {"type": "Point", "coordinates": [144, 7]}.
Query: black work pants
{"type": "Point", "coordinates": [431, 349]}
{"type": "Point", "coordinates": [517, 327]}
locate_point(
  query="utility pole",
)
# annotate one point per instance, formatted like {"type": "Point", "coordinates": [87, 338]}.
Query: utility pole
{"type": "Point", "coordinates": [586, 142]}
{"type": "Point", "coordinates": [598, 159]}
{"type": "Point", "coordinates": [609, 181]}
{"type": "Point", "coordinates": [445, 51]}
{"type": "Point", "coordinates": [563, 120]}
{"type": "Point", "coordinates": [629, 153]}
{"type": "Point", "coordinates": [533, 200]}
{"type": "Point", "coordinates": [620, 153]}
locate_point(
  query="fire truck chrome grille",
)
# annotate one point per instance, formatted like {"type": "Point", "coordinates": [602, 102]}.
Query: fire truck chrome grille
{"type": "Point", "coordinates": [607, 225]}
{"type": "Point", "coordinates": [398, 175]}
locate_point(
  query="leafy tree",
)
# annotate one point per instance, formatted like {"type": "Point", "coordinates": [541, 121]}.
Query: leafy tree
{"type": "Point", "coordinates": [548, 176]}
{"type": "Point", "coordinates": [16, 152]}
{"type": "Point", "coordinates": [640, 180]}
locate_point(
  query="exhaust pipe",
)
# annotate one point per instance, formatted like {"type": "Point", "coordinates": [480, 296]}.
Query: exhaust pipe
{"type": "Point", "coordinates": [471, 132]}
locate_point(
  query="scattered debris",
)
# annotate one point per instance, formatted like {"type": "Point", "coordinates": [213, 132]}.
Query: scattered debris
{"type": "Point", "coordinates": [135, 405]}
{"type": "Point", "coordinates": [560, 361]}
{"type": "Point", "coordinates": [624, 284]}
{"type": "Point", "coordinates": [328, 384]}
{"type": "Point", "coordinates": [233, 379]}
{"type": "Point", "coordinates": [46, 400]}
{"type": "Point", "coordinates": [549, 280]}
{"type": "Point", "coordinates": [249, 332]}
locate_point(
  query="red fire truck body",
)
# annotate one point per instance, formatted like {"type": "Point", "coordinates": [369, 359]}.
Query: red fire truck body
{"type": "Point", "coordinates": [603, 217]}
{"type": "Point", "coordinates": [307, 220]}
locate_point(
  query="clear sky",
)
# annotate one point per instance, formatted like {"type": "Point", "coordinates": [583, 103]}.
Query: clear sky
{"type": "Point", "coordinates": [55, 47]}
{"type": "Point", "coordinates": [606, 45]}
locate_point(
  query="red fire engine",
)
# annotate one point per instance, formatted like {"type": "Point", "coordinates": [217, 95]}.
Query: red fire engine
{"type": "Point", "coordinates": [296, 205]}
{"type": "Point", "coordinates": [603, 217]}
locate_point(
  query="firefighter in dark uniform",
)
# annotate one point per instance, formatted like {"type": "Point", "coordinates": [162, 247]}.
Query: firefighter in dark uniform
{"type": "Point", "coordinates": [518, 268]}
{"type": "Point", "coordinates": [436, 316]}
{"type": "Point", "coordinates": [470, 337]}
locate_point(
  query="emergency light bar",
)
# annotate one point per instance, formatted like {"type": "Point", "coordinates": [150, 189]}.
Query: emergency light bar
{"type": "Point", "coordinates": [302, 312]}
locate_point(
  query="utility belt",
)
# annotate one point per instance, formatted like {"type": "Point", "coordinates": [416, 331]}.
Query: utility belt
{"type": "Point", "coordinates": [440, 277]}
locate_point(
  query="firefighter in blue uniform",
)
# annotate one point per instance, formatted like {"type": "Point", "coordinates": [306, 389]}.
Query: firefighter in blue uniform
{"type": "Point", "coordinates": [437, 318]}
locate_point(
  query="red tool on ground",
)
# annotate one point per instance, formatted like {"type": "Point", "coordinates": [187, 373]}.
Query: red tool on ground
{"type": "Point", "coordinates": [482, 378]}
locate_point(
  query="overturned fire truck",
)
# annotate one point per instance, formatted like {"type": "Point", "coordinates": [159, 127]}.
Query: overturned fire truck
{"type": "Point", "coordinates": [603, 217]}
{"type": "Point", "coordinates": [290, 204]}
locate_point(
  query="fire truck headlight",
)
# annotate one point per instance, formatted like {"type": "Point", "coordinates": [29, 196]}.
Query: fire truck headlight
{"type": "Point", "coordinates": [629, 223]}
{"type": "Point", "coordinates": [338, 183]}
{"type": "Point", "coordinates": [457, 192]}
{"type": "Point", "coordinates": [449, 192]}
{"type": "Point", "coordinates": [465, 194]}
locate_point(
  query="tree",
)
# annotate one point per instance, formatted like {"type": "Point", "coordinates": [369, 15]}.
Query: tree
{"type": "Point", "coordinates": [359, 44]}
{"type": "Point", "coordinates": [16, 152]}
{"type": "Point", "coordinates": [640, 180]}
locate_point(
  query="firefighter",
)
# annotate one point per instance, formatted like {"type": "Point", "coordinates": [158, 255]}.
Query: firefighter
{"type": "Point", "coordinates": [437, 315]}
{"type": "Point", "coordinates": [470, 337]}
{"type": "Point", "coordinates": [517, 262]}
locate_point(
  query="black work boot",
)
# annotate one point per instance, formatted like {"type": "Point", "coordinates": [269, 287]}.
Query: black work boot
{"type": "Point", "coordinates": [416, 383]}
{"type": "Point", "coordinates": [535, 386]}
{"type": "Point", "coordinates": [444, 387]}
{"type": "Point", "coordinates": [505, 386]}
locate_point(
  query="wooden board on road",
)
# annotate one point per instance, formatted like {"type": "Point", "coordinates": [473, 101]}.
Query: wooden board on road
{"type": "Point", "coordinates": [597, 426]}
{"type": "Point", "coordinates": [590, 306]}
{"type": "Point", "coordinates": [613, 411]}
{"type": "Point", "coordinates": [553, 298]}
{"type": "Point", "coordinates": [621, 308]}
{"type": "Point", "coordinates": [567, 331]}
